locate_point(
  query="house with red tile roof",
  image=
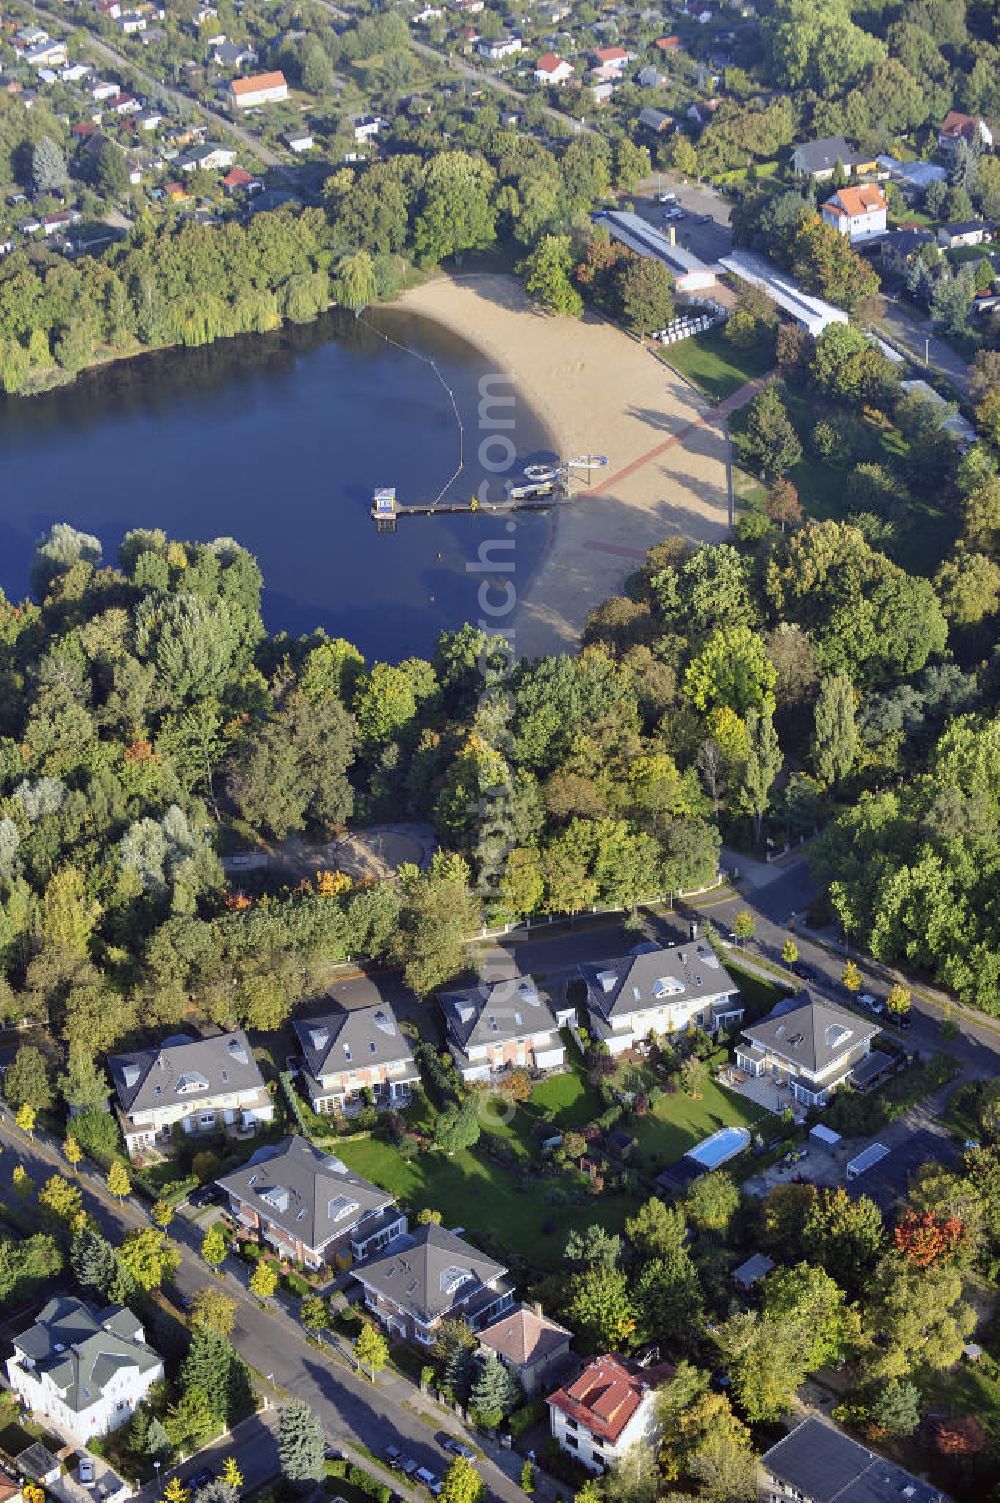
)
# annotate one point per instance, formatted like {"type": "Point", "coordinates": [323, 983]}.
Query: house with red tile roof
{"type": "Point", "coordinates": [957, 127]}
{"type": "Point", "coordinates": [604, 1411]}
{"type": "Point", "coordinates": [859, 213]}
{"type": "Point", "coordinates": [551, 69]}
{"type": "Point", "coordinates": [256, 88]}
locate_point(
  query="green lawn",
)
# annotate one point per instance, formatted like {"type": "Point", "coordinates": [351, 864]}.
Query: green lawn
{"type": "Point", "coordinates": [472, 1191]}
{"type": "Point", "coordinates": [679, 1121]}
{"type": "Point", "coordinates": [714, 365]}
{"type": "Point", "coordinates": [569, 1099]}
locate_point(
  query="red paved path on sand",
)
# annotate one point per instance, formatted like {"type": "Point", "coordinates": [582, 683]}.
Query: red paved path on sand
{"type": "Point", "coordinates": [735, 400]}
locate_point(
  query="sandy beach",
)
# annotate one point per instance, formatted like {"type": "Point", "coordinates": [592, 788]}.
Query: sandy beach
{"type": "Point", "coordinates": [597, 392]}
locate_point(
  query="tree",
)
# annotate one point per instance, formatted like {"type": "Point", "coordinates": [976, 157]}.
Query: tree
{"type": "Point", "coordinates": [843, 1236]}
{"type": "Point", "coordinates": [646, 291]}
{"type": "Point", "coordinates": [461, 1483]}
{"type": "Point", "coordinates": [968, 586]}
{"type": "Point", "coordinates": [765, 439]}
{"type": "Point", "coordinates": [25, 1119]}
{"type": "Point", "coordinates": [851, 978]}
{"type": "Point", "coordinates": [711, 1202]}
{"type": "Point", "coordinates": [119, 1183]}
{"type": "Point", "coordinates": [176, 1492]}
{"type": "Point", "coordinates": [27, 1080]}
{"type": "Point", "coordinates": [927, 1240]}
{"type": "Point", "coordinates": [111, 171]}
{"type": "Point", "coordinates": [458, 1127]}
{"type": "Point", "coordinates": [789, 951]}
{"type": "Point", "coordinates": [211, 1310]}
{"type": "Point", "coordinates": [835, 735]}
{"type": "Point", "coordinates": [767, 1361]}
{"type": "Point", "coordinates": [782, 503]}
{"type": "Point", "coordinates": [300, 1443]}
{"type": "Point", "coordinates": [149, 1258]}
{"type": "Point", "coordinates": [668, 1298]}
{"type": "Point", "coordinates": [895, 1408]}
{"type": "Point", "coordinates": [547, 276]}
{"type": "Point", "coordinates": [313, 1313]}
{"type": "Point", "coordinates": [212, 1368]}
{"type": "Point", "coordinates": [818, 46]}
{"type": "Point", "coordinates": [898, 1002]}
{"type": "Point", "coordinates": [83, 1084]}
{"type": "Point", "coordinates": [456, 210]}
{"type": "Point", "coordinates": [162, 1214]}
{"type": "Point", "coordinates": [62, 1201]}
{"type": "Point", "coordinates": [829, 1328]}
{"type": "Point", "coordinates": [495, 1391]}
{"type": "Point", "coordinates": [213, 1246]}
{"type": "Point", "coordinates": [439, 911]}
{"type": "Point", "coordinates": [744, 925]}
{"type": "Point", "coordinates": [916, 1317]}
{"type": "Point", "coordinates": [48, 165]}
{"type": "Point", "coordinates": [371, 1349]}
{"type": "Point", "coordinates": [26, 1263]}
{"type": "Point", "coordinates": [21, 1180]}
{"type": "Point", "coordinates": [231, 1474]}
{"type": "Point", "coordinates": [599, 1309]}
{"type": "Point", "coordinates": [528, 1477]}
{"type": "Point", "coordinates": [355, 283]}
{"type": "Point", "coordinates": [264, 1280]}
{"type": "Point", "coordinates": [95, 1262]}
{"type": "Point", "coordinates": [732, 670]}
{"type": "Point", "coordinates": [656, 1230]}
{"type": "Point", "coordinates": [763, 764]}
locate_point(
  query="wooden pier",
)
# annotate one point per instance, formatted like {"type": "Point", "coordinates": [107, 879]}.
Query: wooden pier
{"type": "Point", "coordinates": [386, 510]}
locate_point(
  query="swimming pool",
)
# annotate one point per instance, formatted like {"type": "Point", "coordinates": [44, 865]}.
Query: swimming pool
{"type": "Point", "coordinates": [720, 1147]}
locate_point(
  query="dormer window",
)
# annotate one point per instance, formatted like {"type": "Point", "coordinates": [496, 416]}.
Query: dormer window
{"type": "Point", "coordinates": [347, 1051]}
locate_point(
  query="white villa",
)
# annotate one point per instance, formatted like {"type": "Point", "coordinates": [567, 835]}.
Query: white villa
{"type": "Point", "coordinates": [82, 1371]}
{"type": "Point", "coordinates": [659, 991]}
{"type": "Point", "coordinates": [812, 1047]}
{"type": "Point", "coordinates": [198, 1084]}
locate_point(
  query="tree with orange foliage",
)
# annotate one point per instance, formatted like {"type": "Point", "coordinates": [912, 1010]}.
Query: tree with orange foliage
{"type": "Point", "coordinates": [960, 1437]}
{"type": "Point", "coordinates": [237, 902]}
{"type": "Point", "coordinates": [332, 884]}
{"type": "Point", "coordinates": [926, 1239]}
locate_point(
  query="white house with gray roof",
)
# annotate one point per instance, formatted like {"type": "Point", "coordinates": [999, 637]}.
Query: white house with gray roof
{"type": "Point", "coordinates": [200, 1084]}
{"type": "Point", "coordinates": [659, 991]}
{"type": "Point", "coordinates": [354, 1050]}
{"type": "Point", "coordinates": [310, 1206]}
{"type": "Point", "coordinates": [816, 1463]}
{"type": "Point", "coordinates": [812, 1046]}
{"type": "Point", "coordinates": [500, 1025]}
{"type": "Point", "coordinates": [429, 1276]}
{"type": "Point", "coordinates": [82, 1371]}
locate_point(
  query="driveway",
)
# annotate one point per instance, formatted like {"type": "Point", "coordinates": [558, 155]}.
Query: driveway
{"type": "Point", "coordinates": [918, 338]}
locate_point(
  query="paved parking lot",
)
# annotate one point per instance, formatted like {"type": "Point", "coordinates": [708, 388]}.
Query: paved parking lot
{"type": "Point", "coordinates": [710, 238]}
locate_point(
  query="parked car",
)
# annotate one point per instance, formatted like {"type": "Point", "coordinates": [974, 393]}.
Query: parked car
{"type": "Point", "coordinates": [292, 1065]}
{"type": "Point", "coordinates": [673, 214]}
{"type": "Point", "coordinates": [408, 1466]}
{"type": "Point", "coordinates": [392, 1456]}
{"type": "Point", "coordinates": [207, 1195]}
{"type": "Point", "coordinates": [869, 1000]}
{"type": "Point", "coordinates": [454, 1446]}
{"type": "Point", "coordinates": [85, 1470]}
{"type": "Point", "coordinates": [805, 972]}
{"type": "Point", "coordinates": [430, 1479]}
{"type": "Point", "coordinates": [666, 198]}
{"type": "Point", "coordinates": [199, 1479]}
{"type": "Point", "coordinates": [333, 1453]}
{"type": "Point", "coordinates": [704, 219]}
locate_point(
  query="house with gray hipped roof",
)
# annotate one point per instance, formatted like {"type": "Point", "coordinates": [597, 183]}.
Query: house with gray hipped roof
{"type": "Point", "coordinates": [350, 1051]}
{"type": "Point", "coordinates": [500, 1025]}
{"type": "Point", "coordinates": [659, 991]}
{"type": "Point", "coordinates": [310, 1206]}
{"type": "Point", "coordinates": [818, 159]}
{"type": "Point", "coordinates": [429, 1276]}
{"type": "Point", "coordinates": [814, 1047]}
{"type": "Point", "coordinates": [198, 1084]}
{"type": "Point", "coordinates": [80, 1370]}
{"type": "Point", "coordinates": [817, 1463]}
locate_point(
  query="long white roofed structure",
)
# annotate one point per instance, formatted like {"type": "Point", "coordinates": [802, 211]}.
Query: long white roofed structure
{"type": "Point", "coordinates": [811, 312]}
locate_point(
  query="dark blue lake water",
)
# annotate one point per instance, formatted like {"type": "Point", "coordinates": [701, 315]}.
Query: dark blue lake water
{"type": "Point", "coordinates": [279, 440]}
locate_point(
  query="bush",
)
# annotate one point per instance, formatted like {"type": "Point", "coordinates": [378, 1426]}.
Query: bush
{"type": "Point", "coordinates": [97, 1133]}
{"type": "Point", "coordinates": [366, 1483]}
{"type": "Point", "coordinates": [522, 1420]}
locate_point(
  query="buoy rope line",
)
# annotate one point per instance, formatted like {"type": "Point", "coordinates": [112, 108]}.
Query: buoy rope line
{"type": "Point", "coordinates": [428, 360]}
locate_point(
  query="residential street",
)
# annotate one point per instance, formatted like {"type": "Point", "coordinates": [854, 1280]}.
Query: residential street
{"type": "Point", "coordinates": [918, 339]}
{"type": "Point", "coordinates": [349, 1408]}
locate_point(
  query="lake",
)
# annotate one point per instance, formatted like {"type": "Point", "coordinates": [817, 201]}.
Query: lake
{"type": "Point", "coordinates": [279, 440]}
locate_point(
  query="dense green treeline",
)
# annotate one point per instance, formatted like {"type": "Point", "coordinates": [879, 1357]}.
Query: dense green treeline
{"type": "Point", "coordinates": [184, 283]}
